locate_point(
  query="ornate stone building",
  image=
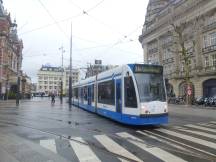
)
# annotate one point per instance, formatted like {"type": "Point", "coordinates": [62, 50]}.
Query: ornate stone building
{"type": "Point", "coordinates": [10, 54]}
{"type": "Point", "coordinates": [159, 43]}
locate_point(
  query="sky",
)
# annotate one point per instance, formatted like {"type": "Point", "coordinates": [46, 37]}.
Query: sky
{"type": "Point", "coordinates": [101, 29]}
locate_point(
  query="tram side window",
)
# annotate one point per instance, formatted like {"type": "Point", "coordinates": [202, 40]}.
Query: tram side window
{"type": "Point", "coordinates": [75, 92]}
{"type": "Point", "coordinates": [85, 93]}
{"type": "Point", "coordinates": [92, 92]}
{"type": "Point", "coordinates": [106, 93]}
{"type": "Point", "coordinates": [130, 94]}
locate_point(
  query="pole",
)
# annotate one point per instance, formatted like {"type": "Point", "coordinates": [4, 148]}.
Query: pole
{"type": "Point", "coordinates": [61, 94]}
{"type": "Point", "coordinates": [18, 90]}
{"type": "Point", "coordinates": [70, 77]}
{"type": "Point", "coordinates": [18, 83]}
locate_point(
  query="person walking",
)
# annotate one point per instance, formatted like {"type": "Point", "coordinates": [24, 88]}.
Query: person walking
{"type": "Point", "coordinates": [52, 99]}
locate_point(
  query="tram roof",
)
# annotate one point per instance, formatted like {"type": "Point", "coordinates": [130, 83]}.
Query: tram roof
{"type": "Point", "coordinates": [111, 73]}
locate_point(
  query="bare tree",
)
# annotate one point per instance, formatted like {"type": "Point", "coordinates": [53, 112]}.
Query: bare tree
{"type": "Point", "coordinates": [184, 32]}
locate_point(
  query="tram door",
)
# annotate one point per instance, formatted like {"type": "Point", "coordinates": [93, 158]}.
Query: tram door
{"type": "Point", "coordinates": [118, 96]}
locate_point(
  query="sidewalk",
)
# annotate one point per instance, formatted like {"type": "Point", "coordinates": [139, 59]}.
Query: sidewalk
{"type": "Point", "coordinates": [193, 106]}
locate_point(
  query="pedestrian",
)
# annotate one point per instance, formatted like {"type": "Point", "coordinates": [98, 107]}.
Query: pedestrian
{"type": "Point", "coordinates": [52, 98]}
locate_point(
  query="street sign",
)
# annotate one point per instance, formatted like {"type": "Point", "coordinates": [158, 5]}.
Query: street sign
{"type": "Point", "coordinates": [189, 92]}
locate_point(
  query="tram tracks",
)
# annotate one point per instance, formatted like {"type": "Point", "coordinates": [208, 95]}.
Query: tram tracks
{"type": "Point", "coordinates": [187, 151]}
{"type": "Point", "coordinates": [40, 118]}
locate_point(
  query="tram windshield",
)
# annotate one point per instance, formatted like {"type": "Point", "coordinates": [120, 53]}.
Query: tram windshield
{"type": "Point", "coordinates": [150, 87]}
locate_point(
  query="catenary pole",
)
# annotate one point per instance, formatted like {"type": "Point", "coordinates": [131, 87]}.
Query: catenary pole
{"type": "Point", "coordinates": [62, 71]}
{"type": "Point", "coordinates": [70, 77]}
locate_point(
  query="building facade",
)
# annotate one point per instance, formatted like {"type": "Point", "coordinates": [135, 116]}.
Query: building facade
{"type": "Point", "coordinates": [10, 54]}
{"type": "Point", "coordinates": [25, 86]}
{"type": "Point", "coordinates": [49, 79]}
{"type": "Point", "coordinates": [160, 45]}
{"type": "Point", "coordinates": [97, 68]}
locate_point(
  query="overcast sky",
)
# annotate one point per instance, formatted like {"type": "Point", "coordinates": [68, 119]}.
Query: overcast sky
{"type": "Point", "coordinates": [102, 29]}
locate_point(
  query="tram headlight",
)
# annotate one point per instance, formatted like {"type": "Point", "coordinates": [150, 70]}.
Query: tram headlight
{"type": "Point", "coordinates": [144, 109]}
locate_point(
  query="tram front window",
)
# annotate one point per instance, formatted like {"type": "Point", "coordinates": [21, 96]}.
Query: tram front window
{"type": "Point", "coordinates": [150, 87]}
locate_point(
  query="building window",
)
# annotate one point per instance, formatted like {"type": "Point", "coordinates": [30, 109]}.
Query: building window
{"type": "Point", "coordinates": [106, 93]}
{"type": "Point", "coordinates": [214, 60]}
{"type": "Point", "coordinates": [213, 38]}
{"type": "Point", "coordinates": [209, 40]}
{"type": "Point", "coordinates": [206, 61]}
{"type": "Point", "coordinates": [205, 41]}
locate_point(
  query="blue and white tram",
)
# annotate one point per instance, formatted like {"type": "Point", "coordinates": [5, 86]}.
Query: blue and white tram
{"type": "Point", "coordinates": [132, 94]}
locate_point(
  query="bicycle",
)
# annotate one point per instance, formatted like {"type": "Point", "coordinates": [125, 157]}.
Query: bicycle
{"type": "Point", "coordinates": [53, 101]}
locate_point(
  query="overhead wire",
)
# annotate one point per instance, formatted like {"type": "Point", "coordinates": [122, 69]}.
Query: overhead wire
{"type": "Point", "coordinates": [57, 24]}
{"type": "Point", "coordinates": [85, 12]}
{"type": "Point", "coordinates": [50, 24]}
{"type": "Point", "coordinates": [119, 41]}
{"type": "Point", "coordinates": [63, 20]}
{"type": "Point", "coordinates": [95, 6]}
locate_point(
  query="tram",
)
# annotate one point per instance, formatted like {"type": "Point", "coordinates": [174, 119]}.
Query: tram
{"type": "Point", "coordinates": [132, 94]}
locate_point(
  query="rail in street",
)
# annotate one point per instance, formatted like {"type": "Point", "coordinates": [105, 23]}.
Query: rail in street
{"type": "Point", "coordinates": [38, 131]}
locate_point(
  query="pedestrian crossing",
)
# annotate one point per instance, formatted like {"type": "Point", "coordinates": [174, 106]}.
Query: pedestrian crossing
{"type": "Point", "coordinates": [112, 146]}
{"type": "Point", "coordinates": [83, 151]}
{"type": "Point", "coordinates": [174, 144]}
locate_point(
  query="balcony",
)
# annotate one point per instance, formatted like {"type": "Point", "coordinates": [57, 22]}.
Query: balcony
{"type": "Point", "coordinates": [209, 49]}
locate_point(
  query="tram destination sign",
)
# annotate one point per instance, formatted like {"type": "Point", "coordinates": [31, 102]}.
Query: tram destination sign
{"type": "Point", "coordinates": [148, 69]}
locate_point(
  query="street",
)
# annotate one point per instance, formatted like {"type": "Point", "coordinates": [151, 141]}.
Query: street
{"type": "Point", "coordinates": [37, 131]}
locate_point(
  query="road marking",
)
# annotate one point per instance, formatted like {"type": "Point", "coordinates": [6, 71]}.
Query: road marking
{"type": "Point", "coordinates": [200, 133]}
{"type": "Point", "coordinates": [207, 124]}
{"type": "Point", "coordinates": [202, 128]}
{"type": "Point", "coordinates": [188, 138]}
{"type": "Point", "coordinates": [163, 141]}
{"type": "Point", "coordinates": [114, 147]}
{"type": "Point", "coordinates": [213, 122]}
{"type": "Point", "coordinates": [49, 144]}
{"type": "Point", "coordinates": [83, 152]}
{"type": "Point", "coordinates": [180, 143]}
{"type": "Point", "coordinates": [159, 153]}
